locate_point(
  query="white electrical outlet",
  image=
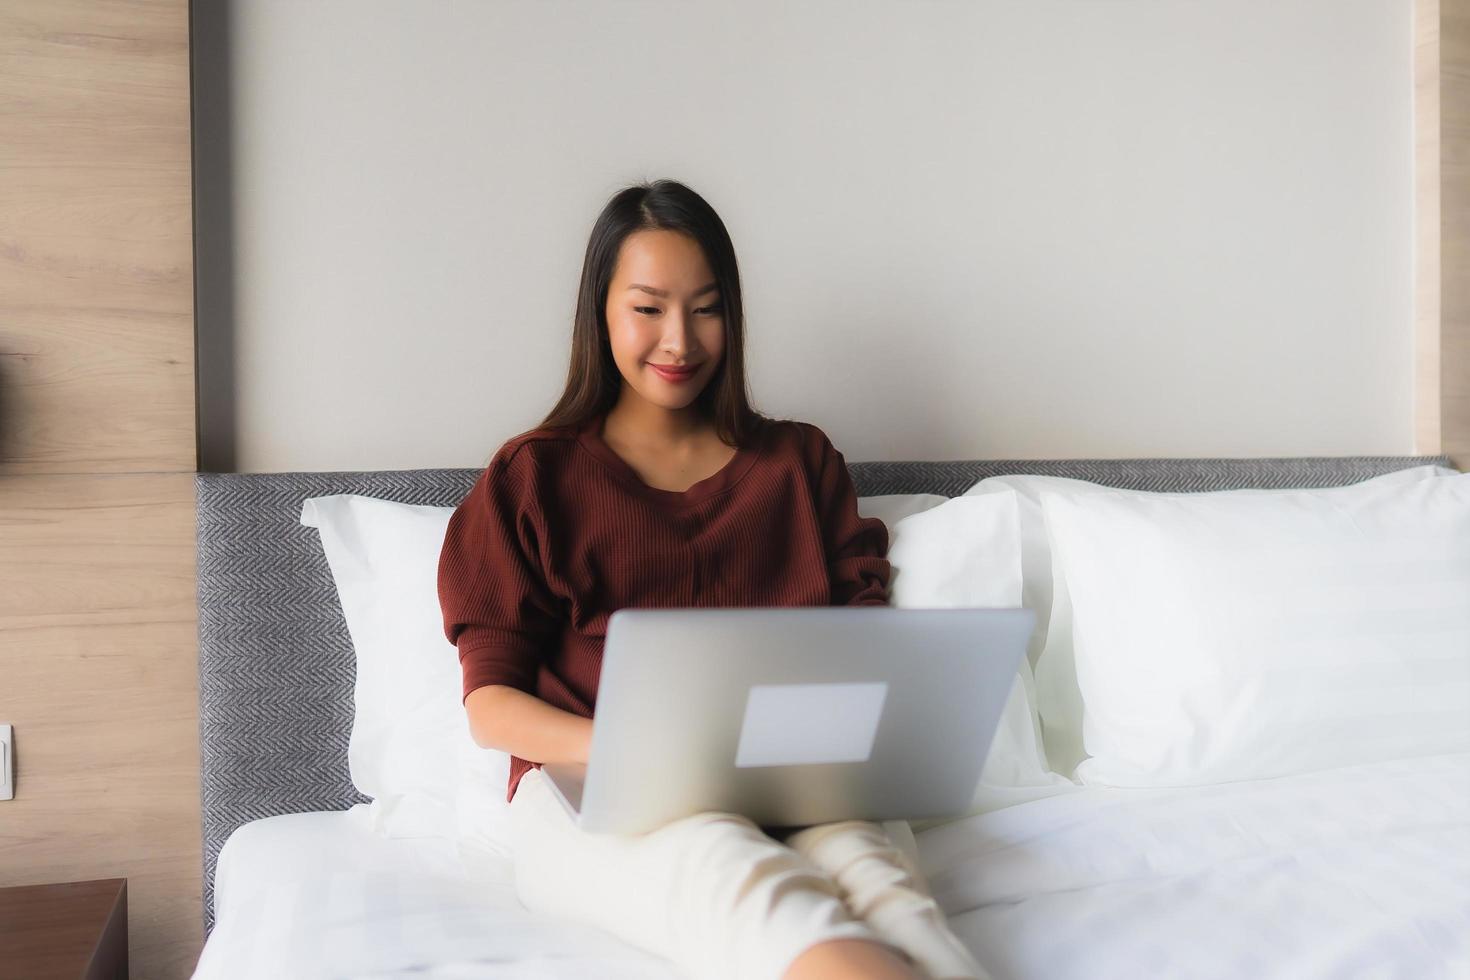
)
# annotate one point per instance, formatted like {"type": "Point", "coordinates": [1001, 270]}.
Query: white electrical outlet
{"type": "Point", "coordinates": [7, 763]}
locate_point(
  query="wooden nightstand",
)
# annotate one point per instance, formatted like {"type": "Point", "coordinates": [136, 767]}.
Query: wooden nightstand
{"type": "Point", "coordinates": [74, 929]}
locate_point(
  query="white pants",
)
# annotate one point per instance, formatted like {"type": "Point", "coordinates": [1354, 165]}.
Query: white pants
{"type": "Point", "coordinates": [721, 899]}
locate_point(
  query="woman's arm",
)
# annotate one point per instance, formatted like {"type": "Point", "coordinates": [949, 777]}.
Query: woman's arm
{"type": "Point", "coordinates": [507, 718]}
{"type": "Point", "coordinates": [857, 547]}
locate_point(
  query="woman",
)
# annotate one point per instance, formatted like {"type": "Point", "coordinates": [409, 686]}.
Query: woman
{"type": "Point", "coordinates": [653, 483]}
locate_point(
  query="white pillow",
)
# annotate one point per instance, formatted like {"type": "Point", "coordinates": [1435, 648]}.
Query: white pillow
{"type": "Point", "coordinates": [410, 748]}
{"type": "Point", "coordinates": [1230, 636]}
{"type": "Point", "coordinates": [966, 552]}
{"type": "Point", "coordinates": [890, 508]}
{"type": "Point", "coordinates": [1058, 701]}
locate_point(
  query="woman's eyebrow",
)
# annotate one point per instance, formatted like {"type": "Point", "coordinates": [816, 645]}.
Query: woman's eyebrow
{"type": "Point", "coordinates": [663, 292]}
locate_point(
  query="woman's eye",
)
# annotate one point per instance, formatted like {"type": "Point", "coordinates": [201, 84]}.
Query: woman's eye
{"type": "Point", "coordinates": [654, 309]}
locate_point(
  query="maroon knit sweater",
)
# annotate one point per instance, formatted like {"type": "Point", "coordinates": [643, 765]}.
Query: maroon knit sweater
{"type": "Point", "coordinates": [559, 532]}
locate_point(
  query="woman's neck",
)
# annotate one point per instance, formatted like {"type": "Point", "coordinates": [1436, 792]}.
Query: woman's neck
{"type": "Point", "coordinates": [653, 425]}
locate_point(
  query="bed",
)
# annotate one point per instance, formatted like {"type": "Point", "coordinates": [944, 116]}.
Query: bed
{"type": "Point", "coordinates": [1355, 871]}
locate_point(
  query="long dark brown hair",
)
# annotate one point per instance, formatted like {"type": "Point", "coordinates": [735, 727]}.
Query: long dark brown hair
{"type": "Point", "coordinates": [593, 378]}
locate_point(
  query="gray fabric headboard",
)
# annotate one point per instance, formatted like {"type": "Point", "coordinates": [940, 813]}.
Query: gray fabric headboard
{"type": "Point", "coordinates": [276, 666]}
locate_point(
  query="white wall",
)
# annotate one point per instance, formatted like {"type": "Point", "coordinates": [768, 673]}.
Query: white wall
{"type": "Point", "coordinates": [966, 229]}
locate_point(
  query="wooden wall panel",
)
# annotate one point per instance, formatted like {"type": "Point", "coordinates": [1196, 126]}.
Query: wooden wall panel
{"type": "Point", "coordinates": [1454, 161]}
{"type": "Point", "coordinates": [98, 645]}
{"type": "Point", "coordinates": [1442, 242]}
{"type": "Point", "coordinates": [96, 238]}
{"type": "Point", "coordinates": [98, 622]}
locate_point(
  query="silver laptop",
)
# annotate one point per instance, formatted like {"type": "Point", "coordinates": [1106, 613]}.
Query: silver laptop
{"type": "Point", "coordinates": [792, 715]}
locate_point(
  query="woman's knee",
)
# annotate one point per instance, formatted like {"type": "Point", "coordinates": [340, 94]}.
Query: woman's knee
{"type": "Point", "coordinates": [729, 863]}
{"type": "Point", "coordinates": [861, 856]}
{"type": "Point", "coordinates": [845, 835]}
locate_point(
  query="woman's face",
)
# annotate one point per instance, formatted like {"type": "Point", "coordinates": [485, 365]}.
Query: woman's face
{"type": "Point", "coordinates": [663, 307]}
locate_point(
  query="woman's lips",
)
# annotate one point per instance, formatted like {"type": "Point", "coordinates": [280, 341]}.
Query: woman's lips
{"type": "Point", "coordinates": [675, 376]}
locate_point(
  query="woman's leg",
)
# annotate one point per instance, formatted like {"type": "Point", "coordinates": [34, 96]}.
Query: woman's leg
{"type": "Point", "coordinates": [884, 887]}
{"type": "Point", "coordinates": [710, 892]}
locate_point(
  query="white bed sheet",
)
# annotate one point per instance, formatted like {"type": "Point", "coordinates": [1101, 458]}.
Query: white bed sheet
{"type": "Point", "coordinates": [312, 895]}
{"type": "Point", "coordinates": [1359, 872]}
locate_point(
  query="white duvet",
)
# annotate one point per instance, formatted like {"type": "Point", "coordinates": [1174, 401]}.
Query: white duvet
{"type": "Point", "coordinates": [1355, 872]}
{"type": "Point", "coordinates": [1359, 872]}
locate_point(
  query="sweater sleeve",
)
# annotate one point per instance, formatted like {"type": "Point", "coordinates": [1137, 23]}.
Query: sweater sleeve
{"type": "Point", "coordinates": [498, 611]}
{"type": "Point", "coordinates": [857, 547]}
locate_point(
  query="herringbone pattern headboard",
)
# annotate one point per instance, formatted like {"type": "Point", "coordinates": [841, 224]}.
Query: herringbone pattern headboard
{"type": "Point", "coordinates": [276, 666]}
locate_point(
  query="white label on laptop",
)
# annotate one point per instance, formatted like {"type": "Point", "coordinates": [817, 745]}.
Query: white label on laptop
{"type": "Point", "coordinates": [802, 724]}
